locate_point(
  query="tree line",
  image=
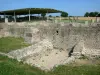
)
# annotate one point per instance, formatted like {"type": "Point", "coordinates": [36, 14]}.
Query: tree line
{"type": "Point", "coordinates": [87, 14]}
{"type": "Point", "coordinates": [92, 14]}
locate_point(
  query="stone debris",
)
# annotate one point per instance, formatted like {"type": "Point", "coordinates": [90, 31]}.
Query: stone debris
{"type": "Point", "coordinates": [50, 61]}
{"type": "Point", "coordinates": [36, 48]}
{"type": "Point", "coordinates": [41, 55]}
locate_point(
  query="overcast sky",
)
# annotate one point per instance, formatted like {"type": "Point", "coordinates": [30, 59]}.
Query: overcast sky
{"type": "Point", "coordinates": [73, 7]}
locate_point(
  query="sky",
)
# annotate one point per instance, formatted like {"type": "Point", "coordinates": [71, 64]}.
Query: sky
{"type": "Point", "coordinates": [73, 7]}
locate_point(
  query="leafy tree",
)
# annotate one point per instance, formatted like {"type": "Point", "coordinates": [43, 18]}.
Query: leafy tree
{"type": "Point", "coordinates": [98, 15]}
{"type": "Point", "coordinates": [50, 15]}
{"type": "Point", "coordinates": [43, 14]}
{"type": "Point", "coordinates": [0, 17]}
{"type": "Point", "coordinates": [91, 14]}
{"type": "Point", "coordinates": [86, 14]}
{"type": "Point", "coordinates": [64, 14]}
{"type": "Point", "coordinates": [57, 16]}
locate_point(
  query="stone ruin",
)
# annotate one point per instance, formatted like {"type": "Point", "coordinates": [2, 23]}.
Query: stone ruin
{"type": "Point", "coordinates": [58, 42]}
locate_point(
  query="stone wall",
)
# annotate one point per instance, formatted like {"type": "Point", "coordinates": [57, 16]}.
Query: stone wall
{"type": "Point", "coordinates": [77, 39]}
{"type": "Point", "coordinates": [84, 39]}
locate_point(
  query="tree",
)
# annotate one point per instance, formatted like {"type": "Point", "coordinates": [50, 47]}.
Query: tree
{"type": "Point", "coordinates": [86, 14]}
{"type": "Point", "coordinates": [0, 17]}
{"type": "Point", "coordinates": [43, 14]}
{"type": "Point", "coordinates": [57, 16]}
{"type": "Point", "coordinates": [64, 14]}
{"type": "Point", "coordinates": [91, 14]}
{"type": "Point", "coordinates": [50, 15]}
{"type": "Point", "coordinates": [98, 15]}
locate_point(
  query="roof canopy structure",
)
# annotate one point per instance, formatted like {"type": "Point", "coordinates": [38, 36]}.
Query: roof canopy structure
{"type": "Point", "coordinates": [26, 11]}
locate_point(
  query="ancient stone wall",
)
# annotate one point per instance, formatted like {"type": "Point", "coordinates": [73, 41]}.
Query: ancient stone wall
{"type": "Point", "coordinates": [84, 39]}
{"type": "Point", "coordinates": [76, 38]}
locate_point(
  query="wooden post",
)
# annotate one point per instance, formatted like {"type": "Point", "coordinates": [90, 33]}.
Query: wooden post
{"type": "Point", "coordinates": [60, 18]}
{"type": "Point", "coordinates": [29, 16]}
{"type": "Point", "coordinates": [14, 16]}
{"type": "Point", "coordinates": [4, 17]}
{"type": "Point", "coordinates": [47, 16]}
{"type": "Point", "coordinates": [38, 17]}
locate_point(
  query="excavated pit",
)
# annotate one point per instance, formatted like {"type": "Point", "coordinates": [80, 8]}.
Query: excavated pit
{"type": "Point", "coordinates": [55, 44]}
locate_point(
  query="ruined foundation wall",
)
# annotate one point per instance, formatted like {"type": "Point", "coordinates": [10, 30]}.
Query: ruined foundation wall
{"type": "Point", "coordinates": [85, 40]}
{"type": "Point", "coordinates": [75, 38]}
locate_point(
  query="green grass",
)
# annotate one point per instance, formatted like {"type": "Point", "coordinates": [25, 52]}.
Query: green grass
{"type": "Point", "coordinates": [12, 67]}
{"type": "Point", "coordinates": [77, 70]}
{"type": "Point", "coordinates": [11, 43]}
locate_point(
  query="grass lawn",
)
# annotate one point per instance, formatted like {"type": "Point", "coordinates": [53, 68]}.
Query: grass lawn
{"type": "Point", "coordinates": [8, 44]}
{"type": "Point", "coordinates": [12, 67]}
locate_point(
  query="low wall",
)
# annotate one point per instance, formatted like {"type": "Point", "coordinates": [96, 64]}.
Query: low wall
{"type": "Point", "coordinates": [81, 18]}
{"type": "Point", "coordinates": [76, 38]}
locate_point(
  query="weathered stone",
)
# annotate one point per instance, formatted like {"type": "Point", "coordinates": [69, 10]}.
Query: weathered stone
{"type": "Point", "coordinates": [48, 39]}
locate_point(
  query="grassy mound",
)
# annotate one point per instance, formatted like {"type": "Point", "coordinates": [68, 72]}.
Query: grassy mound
{"type": "Point", "coordinates": [11, 43]}
{"type": "Point", "coordinates": [12, 67]}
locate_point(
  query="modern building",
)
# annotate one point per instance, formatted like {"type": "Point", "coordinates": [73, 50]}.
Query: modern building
{"type": "Point", "coordinates": [16, 15]}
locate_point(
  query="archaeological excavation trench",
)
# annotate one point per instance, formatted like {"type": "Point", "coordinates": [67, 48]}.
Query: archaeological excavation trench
{"type": "Point", "coordinates": [54, 44]}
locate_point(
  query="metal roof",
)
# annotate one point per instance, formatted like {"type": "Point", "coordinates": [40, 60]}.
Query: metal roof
{"type": "Point", "coordinates": [32, 11]}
